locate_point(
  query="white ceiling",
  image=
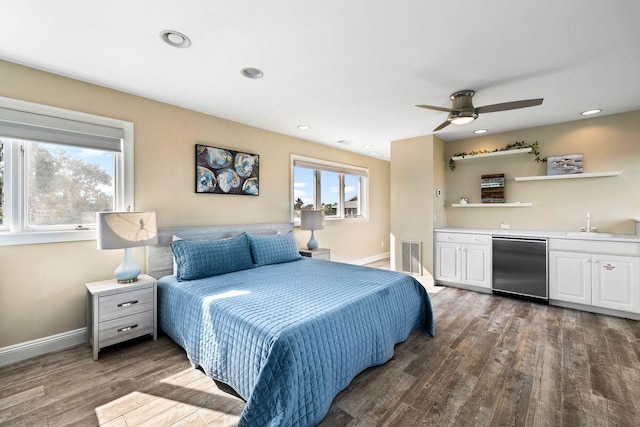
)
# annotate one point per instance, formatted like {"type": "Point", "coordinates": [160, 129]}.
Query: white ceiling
{"type": "Point", "coordinates": [351, 69]}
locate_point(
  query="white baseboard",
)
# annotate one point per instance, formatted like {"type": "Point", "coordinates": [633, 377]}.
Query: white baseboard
{"type": "Point", "coordinates": [17, 352]}
{"type": "Point", "coordinates": [371, 259]}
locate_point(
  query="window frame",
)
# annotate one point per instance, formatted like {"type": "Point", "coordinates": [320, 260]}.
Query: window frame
{"type": "Point", "coordinates": [342, 169]}
{"type": "Point", "coordinates": [17, 233]}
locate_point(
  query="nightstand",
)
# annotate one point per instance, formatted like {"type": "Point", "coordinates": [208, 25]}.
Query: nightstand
{"type": "Point", "coordinates": [119, 312]}
{"type": "Point", "coordinates": [320, 253]}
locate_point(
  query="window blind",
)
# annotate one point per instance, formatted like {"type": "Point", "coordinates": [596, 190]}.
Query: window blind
{"type": "Point", "coordinates": [43, 128]}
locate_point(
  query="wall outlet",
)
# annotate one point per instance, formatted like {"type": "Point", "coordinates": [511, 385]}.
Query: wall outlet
{"type": "Point", "coordinates": [438, 192]}
{"type": "Point", "coordinates": [505, 225]}
{"type": "Point", "coordinates": [382, 244]}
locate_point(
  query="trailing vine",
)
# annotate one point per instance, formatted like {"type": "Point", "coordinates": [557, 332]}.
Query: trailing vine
{"type": "Point", "coordinates": [513, 146]}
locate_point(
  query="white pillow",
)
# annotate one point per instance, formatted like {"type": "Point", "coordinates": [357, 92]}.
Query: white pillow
{"type": "Point", "coordinates": [175, 264]}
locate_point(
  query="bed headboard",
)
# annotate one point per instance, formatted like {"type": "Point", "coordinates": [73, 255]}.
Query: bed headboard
{"type": "Point", "coordinates": [160, 258]}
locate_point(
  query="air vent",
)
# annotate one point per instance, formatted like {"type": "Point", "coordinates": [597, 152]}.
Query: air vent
{"type": "Point", "coordinates": [411, 257]}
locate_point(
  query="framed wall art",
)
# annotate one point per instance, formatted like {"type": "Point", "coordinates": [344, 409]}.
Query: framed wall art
{"type": "Point", "coordinates": [223, 171]}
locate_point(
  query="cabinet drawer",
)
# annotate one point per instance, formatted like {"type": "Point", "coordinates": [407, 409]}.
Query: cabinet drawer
{"type": "Point", "coordinates": [125, 303]}
{"type": "Point", "coordinates": [595, 247]}
{"type": "Point", "coordinates": [125, 328]}
{"type": "Point", "coordinates": [480, 239]}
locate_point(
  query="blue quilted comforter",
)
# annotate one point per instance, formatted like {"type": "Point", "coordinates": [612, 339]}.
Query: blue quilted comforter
{"type": "Point", "coordinates": [289, 337]}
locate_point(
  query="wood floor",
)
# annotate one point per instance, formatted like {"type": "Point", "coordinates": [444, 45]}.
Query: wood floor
{"type": "Point", "coordinates": [494, 362]}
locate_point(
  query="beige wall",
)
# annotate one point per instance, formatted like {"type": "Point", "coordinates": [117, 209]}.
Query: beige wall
{"type": "Point", "coordinates": [41, 286]}
{"type": "Point", "coordinates": [416, 173]}
{"type": "Point", "coordinates": [608, 143]}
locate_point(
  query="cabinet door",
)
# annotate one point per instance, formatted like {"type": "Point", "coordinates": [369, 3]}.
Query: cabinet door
{"type": "Point", "coordinates": [476, 265]}
{"type": "Point", "coordinates": [616, 282]}
{"type": "Point", "coordinates": [570, 277]}
{"type": "Point", "coordinates": [448, 262]}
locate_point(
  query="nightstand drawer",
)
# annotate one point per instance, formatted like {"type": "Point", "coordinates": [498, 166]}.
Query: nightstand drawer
{"type": "Point", "coordinates": [324, 256]}
{"type": "Point", "coordinates": [125, 328]}
{"type": "Point", "coordinates": [125, 303]}
{"type": "Point", "coordinates": [320, 253]}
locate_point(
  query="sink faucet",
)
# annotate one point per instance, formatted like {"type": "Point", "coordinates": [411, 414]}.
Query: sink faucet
{"type": "Point", "coordinates": [589, 229]}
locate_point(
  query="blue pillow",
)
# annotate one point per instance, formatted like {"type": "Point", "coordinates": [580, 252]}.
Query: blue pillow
{"type": "Point", "coordinates": [199, 259]}
{"type": "Point", "coordinates": [274, 249]}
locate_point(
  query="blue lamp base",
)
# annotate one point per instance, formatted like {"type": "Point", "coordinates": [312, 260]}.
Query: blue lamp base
{"type": "Point", "coordinates": [128, 271]}
{"type": "Point", "coordinates": [312, 243]}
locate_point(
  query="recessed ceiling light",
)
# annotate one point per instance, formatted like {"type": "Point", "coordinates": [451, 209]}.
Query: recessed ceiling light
{"type": "Point", "coordinates": [481, 131]}
{"type": "Point", "coordinates": [251, 73]}
{"type": "Point", "coordinates": [175, 39]}
{"type": "Point", "coordinates": [304, 127]}
{"type": "Point", "coordinates": [367, 146]}
{"type": "Point", "coordinates": [590, 112]}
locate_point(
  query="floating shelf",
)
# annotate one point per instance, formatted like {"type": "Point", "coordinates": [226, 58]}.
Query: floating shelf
{"type": "Point", "coordinates": [494, 154]}
{"type": "Point", "coordinates": [492, 205]}
{"type": "Point", "coordinates": [570, 176]}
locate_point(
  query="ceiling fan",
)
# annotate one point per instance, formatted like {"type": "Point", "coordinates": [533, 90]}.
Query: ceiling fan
{"type": "Point", "coordinates": [463, 111]}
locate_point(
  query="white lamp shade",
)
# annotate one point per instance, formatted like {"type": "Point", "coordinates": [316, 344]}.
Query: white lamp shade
{"type": "Point", "coordinates": [118, 230]}
{"type": "Point", "coordinates": [311, 220]}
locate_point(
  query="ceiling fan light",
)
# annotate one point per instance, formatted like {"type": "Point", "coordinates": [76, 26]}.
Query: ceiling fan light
{"type": "Point", "coordinates": [462, 120]}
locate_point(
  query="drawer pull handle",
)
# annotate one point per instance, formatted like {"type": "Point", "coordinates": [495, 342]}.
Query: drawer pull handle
{"type": "Point", "coordinates": [127, 328]}
{"type": "Point", "coordinates": [127, 304]}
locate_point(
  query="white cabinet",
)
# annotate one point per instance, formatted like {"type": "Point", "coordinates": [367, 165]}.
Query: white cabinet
{"type": "Point", "coordinates": [463, 259]}
{"type": "Point", "coordinates": [448, 264]}
{"type": "Point", "coordinates": [570, 277]}
{"type": "Point", "coordinates": [599, 274]}
{"type": "Point", "coordinates": [476, 265]}
{"type": "Point", "coordinates": [615, 282]}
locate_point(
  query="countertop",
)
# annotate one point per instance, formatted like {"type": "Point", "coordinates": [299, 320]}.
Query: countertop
{"type": "Point", "coordinates": [541, 233]}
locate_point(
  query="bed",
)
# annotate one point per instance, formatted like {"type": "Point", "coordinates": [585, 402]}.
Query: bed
{"type": "Point", "coordinates": [287, 333]}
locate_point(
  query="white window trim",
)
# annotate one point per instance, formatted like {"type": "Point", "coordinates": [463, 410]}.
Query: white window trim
{"type": "Point", "coordinates": [123, 176]}
{"type": "Point", "coordinates": [344, 168]}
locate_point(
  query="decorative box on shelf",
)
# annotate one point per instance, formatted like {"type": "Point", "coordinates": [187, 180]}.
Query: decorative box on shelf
{"type": "Point", "coordinates": [492, 188]}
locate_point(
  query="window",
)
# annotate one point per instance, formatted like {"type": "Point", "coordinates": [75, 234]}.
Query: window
{"type": "Point", "coordinates": [57, 169]}
{"type": "Point", "coordinates": [329, 193]}
{"type": "Point", "coordinates": [340, 190]}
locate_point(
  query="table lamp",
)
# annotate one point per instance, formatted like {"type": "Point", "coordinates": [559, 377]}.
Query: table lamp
{"type": "Point", "coordinates": [312, 220]}
{"type": "Point", "coordinates": [126, 230]}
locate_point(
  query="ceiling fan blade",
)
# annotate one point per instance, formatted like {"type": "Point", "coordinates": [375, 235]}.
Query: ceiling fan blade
{"type": "Point", "coordinates": [442, 125]}
{"type": "Point", "coordinates": [513, 105]}
{"type": "Point", "coordinates": [432, 107]}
